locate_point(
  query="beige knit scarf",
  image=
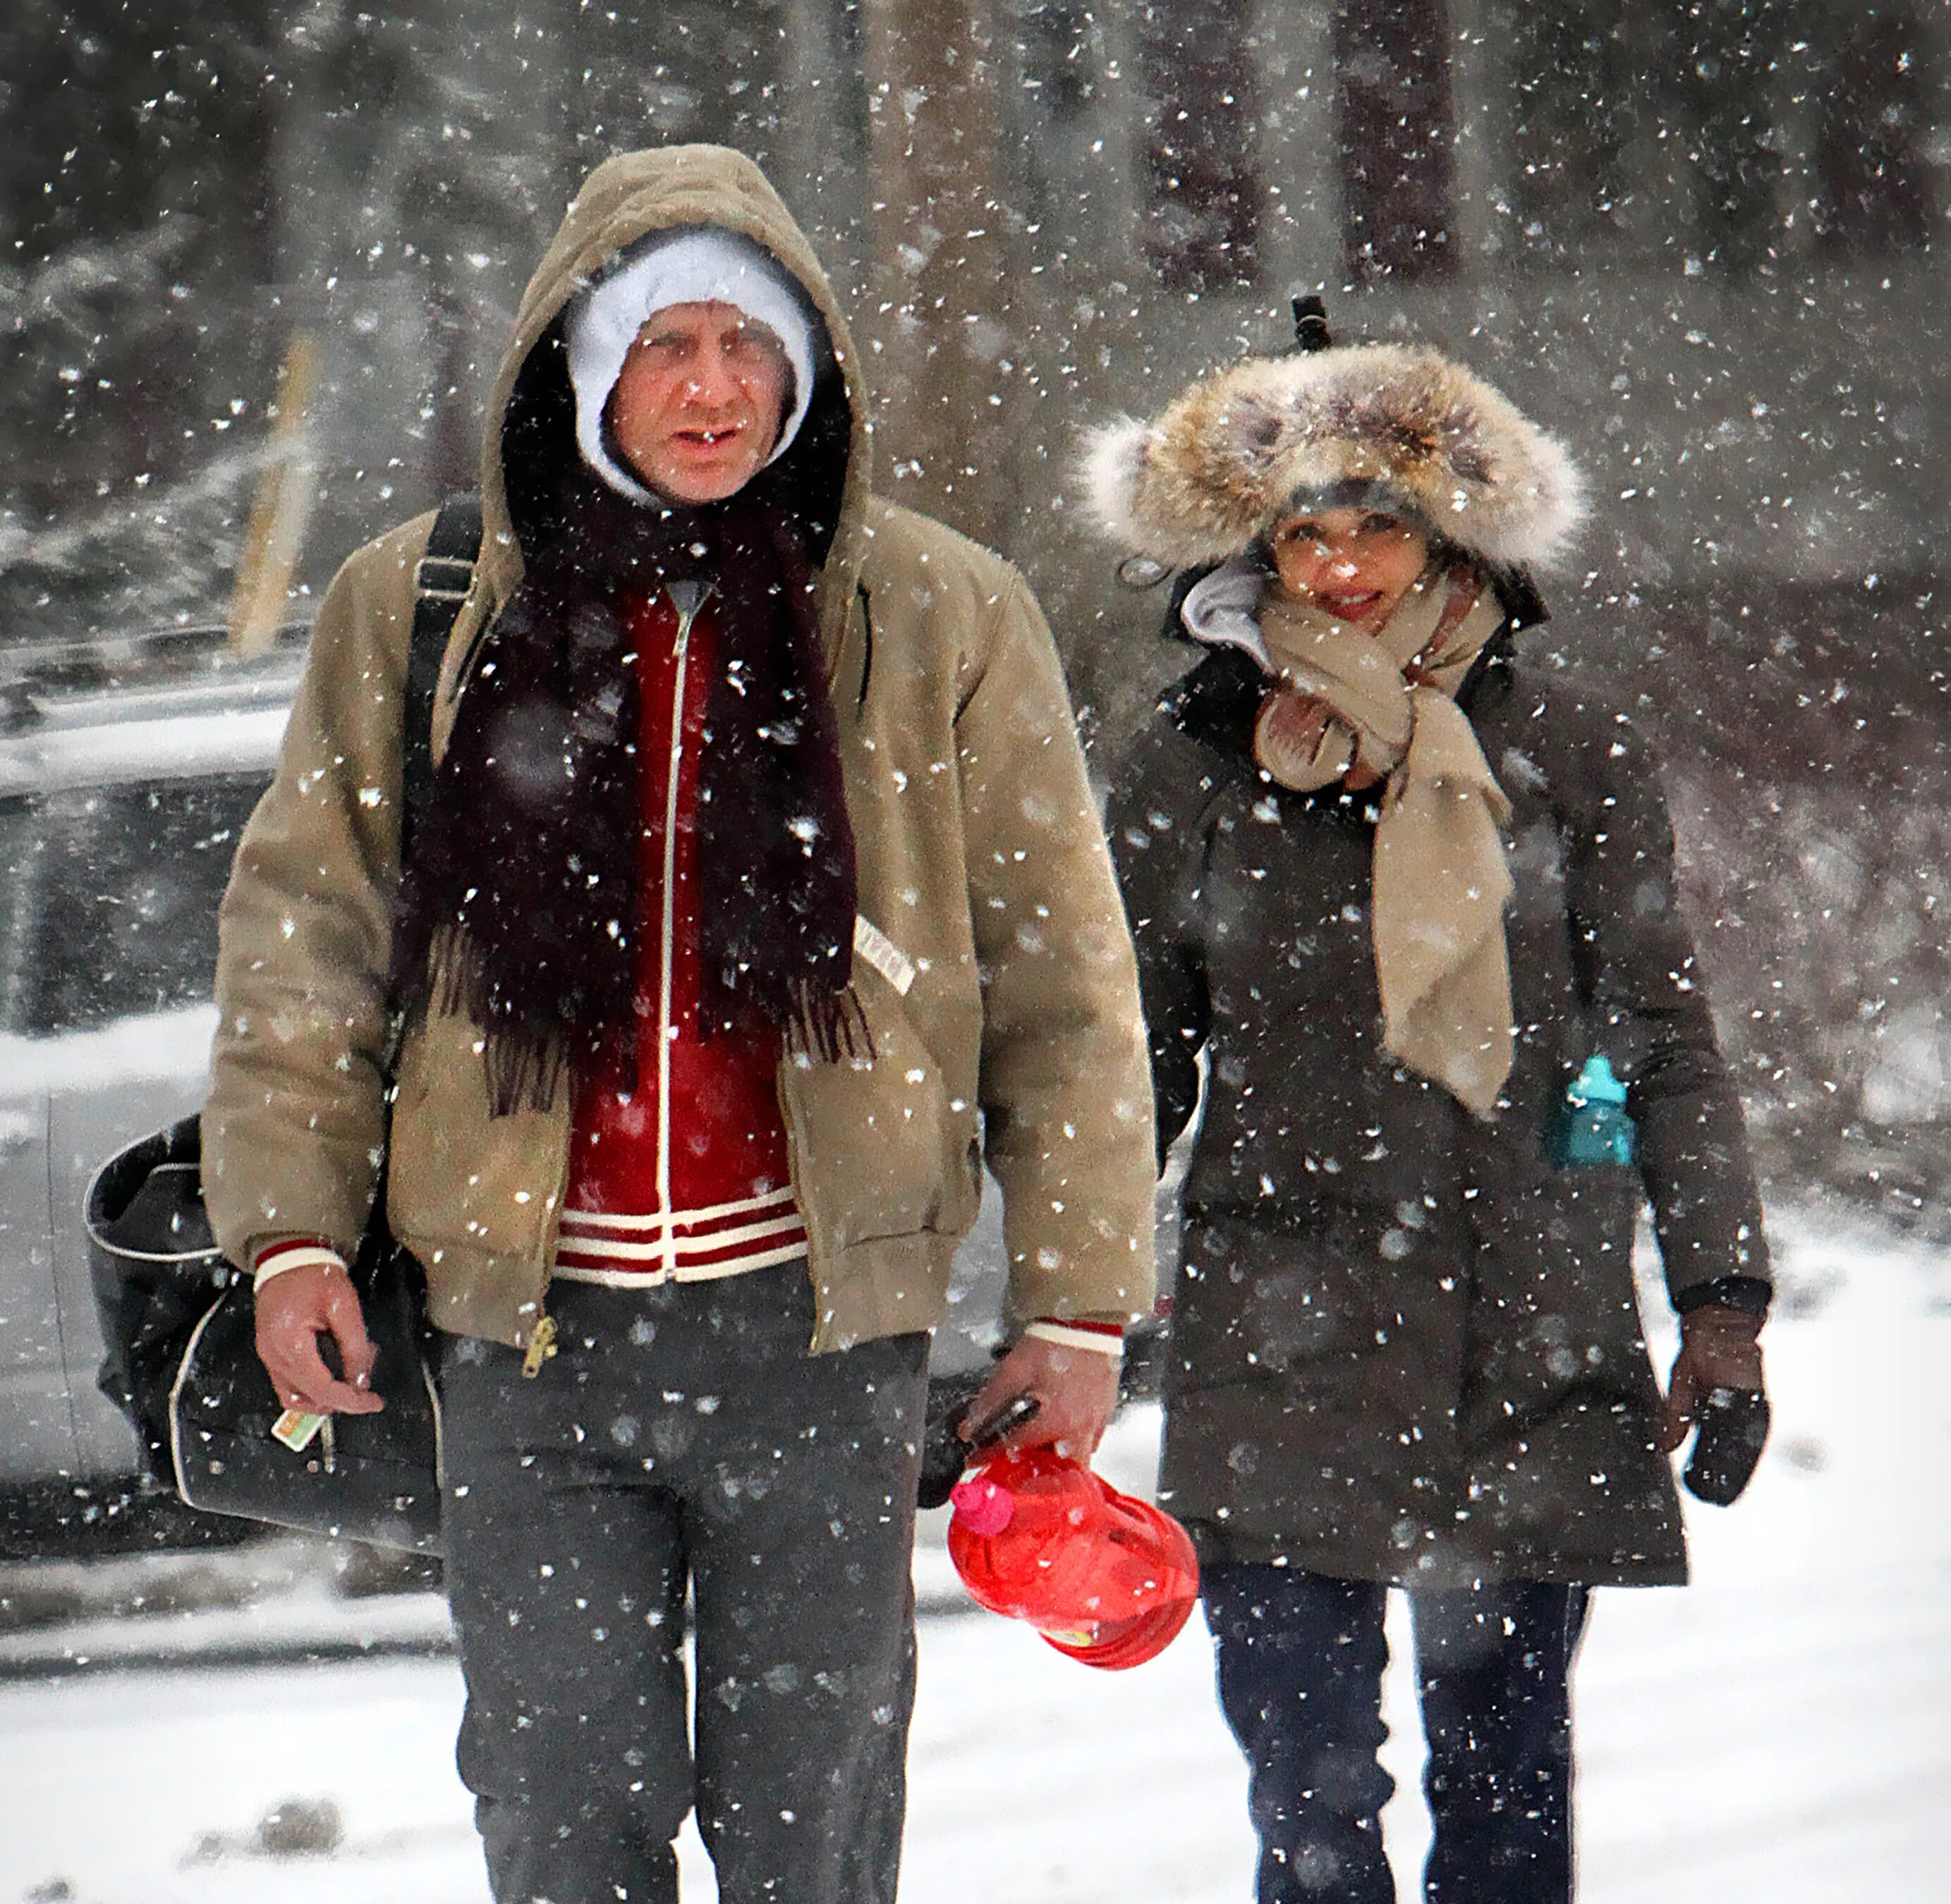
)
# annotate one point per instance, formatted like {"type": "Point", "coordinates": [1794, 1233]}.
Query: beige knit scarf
{"type": "Point", "coordinates": [1440, 881]}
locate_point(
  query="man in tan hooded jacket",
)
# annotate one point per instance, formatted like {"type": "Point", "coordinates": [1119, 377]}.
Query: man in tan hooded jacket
{"type": "Point", "coordinates": [684, 1239]}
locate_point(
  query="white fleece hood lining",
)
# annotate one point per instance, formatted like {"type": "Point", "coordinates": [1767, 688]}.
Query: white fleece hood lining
{"type": "Point", "coordinates": [1223, 609]}
{"type": "Point", "coordinates": [692, 267]}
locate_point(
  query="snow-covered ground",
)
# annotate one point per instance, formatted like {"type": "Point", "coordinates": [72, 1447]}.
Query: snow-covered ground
{"type": "Point", "coordinates": [1781, 1732]}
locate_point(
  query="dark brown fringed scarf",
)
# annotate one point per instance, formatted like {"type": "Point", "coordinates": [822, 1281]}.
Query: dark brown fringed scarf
{"type": "Point", "coordinates": [521, 908]}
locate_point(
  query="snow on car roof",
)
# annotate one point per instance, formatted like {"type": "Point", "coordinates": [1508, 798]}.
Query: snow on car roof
{"type": "Point", "coordinates": [174, 704]}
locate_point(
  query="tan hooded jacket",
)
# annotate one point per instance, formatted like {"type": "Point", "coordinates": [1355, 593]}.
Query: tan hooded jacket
{"type": "Point", "coordinates": [1006, 1021]}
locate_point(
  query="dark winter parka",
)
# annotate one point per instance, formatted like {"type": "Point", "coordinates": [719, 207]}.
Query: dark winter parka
{"type": "Point", "coordinates": [1406, 1346]}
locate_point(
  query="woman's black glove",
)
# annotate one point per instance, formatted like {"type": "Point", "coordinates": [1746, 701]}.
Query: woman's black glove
{"type": "Point", "coordinates": [1718, 1387]}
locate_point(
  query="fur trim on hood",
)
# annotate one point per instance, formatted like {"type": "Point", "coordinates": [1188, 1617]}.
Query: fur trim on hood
{"type": "Point", "coordinates": [1381, 425]}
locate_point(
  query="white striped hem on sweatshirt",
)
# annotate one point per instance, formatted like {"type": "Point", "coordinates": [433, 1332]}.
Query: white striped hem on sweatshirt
{"type": "Point", "coordinates": [624, 1250]}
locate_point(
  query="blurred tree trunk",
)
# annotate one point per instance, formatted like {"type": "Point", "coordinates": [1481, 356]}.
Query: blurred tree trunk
{"type": "Point", "coordinates": [135, 265]}
{"type": "Point", "coordinates": [1720, 60]}
{"type": "Point", "coordinates": [1398, 133]}
{"type": "Point", "coordinates": [1202, 224]}
{"type": "Point", "coordinates": [1577, 103]}
{"type": "Point", "coordinates": [938, 319]}
{"type": "Point", "coordinates": [1872, 166]}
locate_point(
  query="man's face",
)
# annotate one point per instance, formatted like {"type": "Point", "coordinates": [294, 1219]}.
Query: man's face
{"type": "Point", "coordinates": [697, 406]}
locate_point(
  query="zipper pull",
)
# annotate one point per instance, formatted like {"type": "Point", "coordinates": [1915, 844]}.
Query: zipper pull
{"type": "Point", "coordinates": [689, 598]}
{"type": "Point", "coordinates": [542, 1346]}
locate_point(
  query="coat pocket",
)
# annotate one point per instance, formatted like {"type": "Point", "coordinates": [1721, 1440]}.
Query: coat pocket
{"type": "Point", "coordinates": [1259, 1305]}
{"type": "Point", "coordinates": [455, 1174]}
{"type": "Point", "coordinates": [884, 1145]}
{"type": "Point", "coordinates": [425, 1190]}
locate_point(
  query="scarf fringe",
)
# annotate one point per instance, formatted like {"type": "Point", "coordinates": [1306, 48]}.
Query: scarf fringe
{"type": "Point", "coordinates": [527, 1066]}
{"type": "Point", "coordinates": [832, 1025]}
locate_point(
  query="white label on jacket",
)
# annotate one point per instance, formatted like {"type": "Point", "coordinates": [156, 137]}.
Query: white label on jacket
{"type": "Point", "coordinates": [880, 951]}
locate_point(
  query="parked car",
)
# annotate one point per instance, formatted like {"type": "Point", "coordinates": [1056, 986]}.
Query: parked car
{"type": "Point", "coordinates": [127, 768]}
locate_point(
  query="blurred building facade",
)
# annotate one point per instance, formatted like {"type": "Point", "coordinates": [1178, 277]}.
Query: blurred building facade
{"type": "Point", "coordinates": [1701, 240]}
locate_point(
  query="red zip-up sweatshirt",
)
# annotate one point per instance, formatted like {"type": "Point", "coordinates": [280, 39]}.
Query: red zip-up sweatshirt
{"type": "Point", "coordinates": [678, 1165]}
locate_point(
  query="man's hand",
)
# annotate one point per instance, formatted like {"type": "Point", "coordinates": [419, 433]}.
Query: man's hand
{"type": "Point", "coordinates": [1077, 1389]}
{"type": "Point", "coordinates": [294, 1310]}
{"type": "Point", "coordinates": [1719, 1348]}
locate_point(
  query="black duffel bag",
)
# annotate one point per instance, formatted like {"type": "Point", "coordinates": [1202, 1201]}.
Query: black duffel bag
{"type": "Point", "coordinates": [181, 1326]}
{"type": "Point", "coordinates": [179, 1322]}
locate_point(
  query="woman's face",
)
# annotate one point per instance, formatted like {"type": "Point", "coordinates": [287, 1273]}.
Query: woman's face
{"type": "Point", "coordinates": [698, 403]}
{"type": "Point", "coordinates": [1354, 564]}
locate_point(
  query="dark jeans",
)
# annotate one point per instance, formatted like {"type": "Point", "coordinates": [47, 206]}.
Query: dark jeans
{"type": "Point", "coordinates": [1300, 1669]}
{"type": "Point", "coordinates": [683, 1436]}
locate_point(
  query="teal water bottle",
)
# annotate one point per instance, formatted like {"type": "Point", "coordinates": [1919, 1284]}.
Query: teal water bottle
{"type": "Point", "coordinates": [1596, 1130]}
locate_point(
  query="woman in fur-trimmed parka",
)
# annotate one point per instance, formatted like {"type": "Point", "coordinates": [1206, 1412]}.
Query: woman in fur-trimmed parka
{"type": "Point", "coordinates": [1400, 885]}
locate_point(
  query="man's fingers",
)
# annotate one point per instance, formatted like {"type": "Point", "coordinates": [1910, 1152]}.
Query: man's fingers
{"type": "Point", "coordinates": [1075, 1442]}
{"type": "Point", "coordinates": [1672, 1428]}
{"type": "Point", "coordinates": [1724, 1346]}
{"type": "Point", "coordinates": [1077, 1408]}
{"type": "Point", "coordinates": [996, 1395]}
{"type": "Point", "coordinates": [1732, 1365]}
{"type": "Point", "coordinates": [1047, 1427]}
{"type": "Point", "coordinates": [357, 1355]}
{"type": "Point", "coordinates": [1076, 1390]}
{"type": "Point", "coordinates": [1719, 1348]}
{"type": "Point", "coordinates": [293, 1311]}
{"type": "Point", "coordinates": [1018, 1374]}
{"type": "Point", "coordinates": [318, 1392]}
{"type": "Point", "coordinates": [1675, 1423]}
{"type": "Point", "coordinates": [1002, 1425]}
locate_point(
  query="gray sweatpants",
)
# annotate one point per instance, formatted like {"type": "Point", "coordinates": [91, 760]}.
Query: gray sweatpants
{"type": "Point", "coordinates": [683, 1435]}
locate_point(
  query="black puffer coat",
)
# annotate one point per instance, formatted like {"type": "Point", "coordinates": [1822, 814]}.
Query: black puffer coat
{"type": "Point", "coordinates": [1406, 1346]}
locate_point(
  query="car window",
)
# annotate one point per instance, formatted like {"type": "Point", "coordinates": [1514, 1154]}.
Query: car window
{"type": "Point", "coordinates": [111, 896]}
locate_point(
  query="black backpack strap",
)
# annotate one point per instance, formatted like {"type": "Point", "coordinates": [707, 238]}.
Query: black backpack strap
{"type": "Point", "coordinates": [440, 583]}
